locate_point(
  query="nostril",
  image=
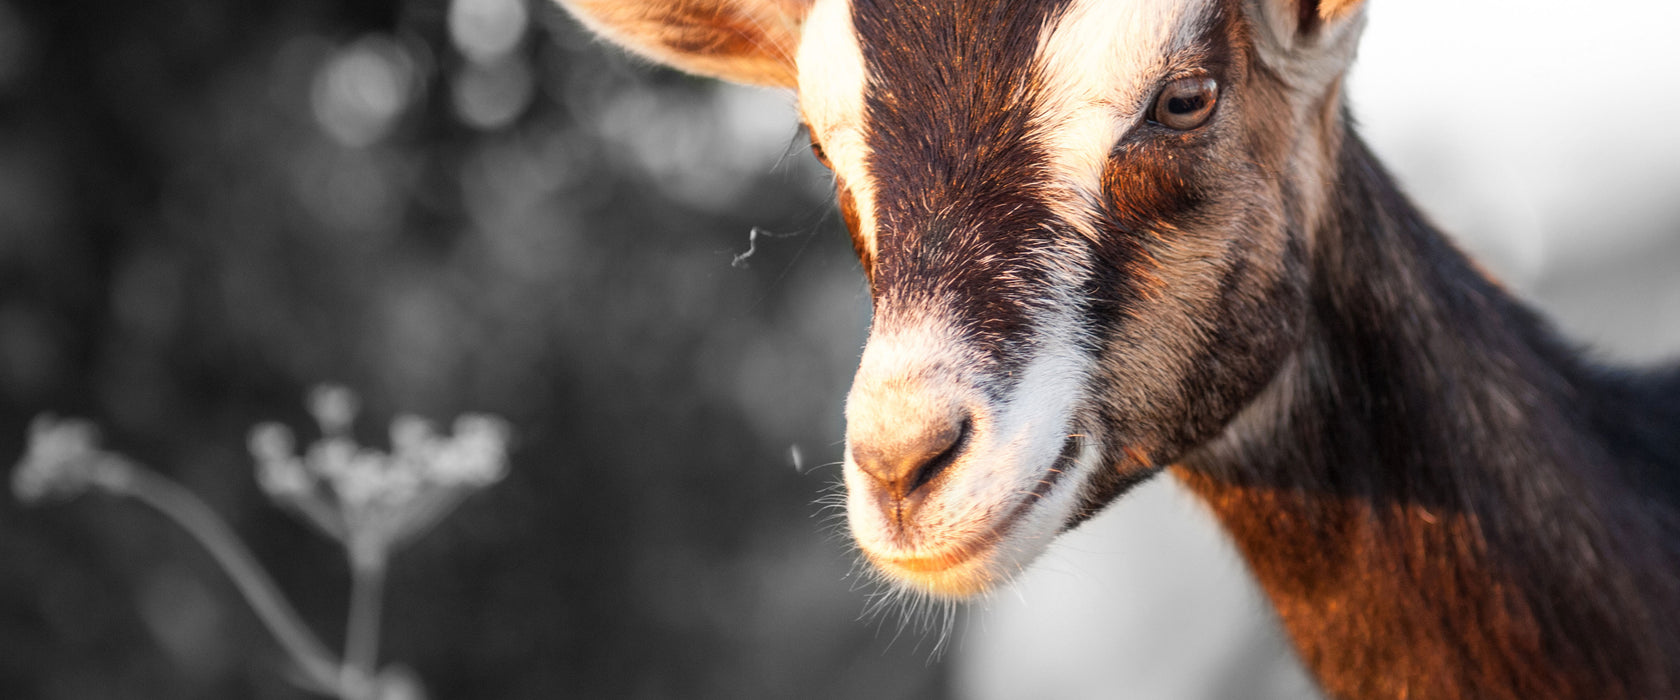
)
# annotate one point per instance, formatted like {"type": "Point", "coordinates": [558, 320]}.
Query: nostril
{"type": "Point", "coordinates": [954, 444]}
{"type": "Point", "coordinates": [914, 460]}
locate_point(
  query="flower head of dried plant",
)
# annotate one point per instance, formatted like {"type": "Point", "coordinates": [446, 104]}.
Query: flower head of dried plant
{"type": "Point", "coordinates": [372, 500]}
{"type": "Point", "coordinates": [369, 500]}
{"type": "Point", "coordinates": [63, 460]}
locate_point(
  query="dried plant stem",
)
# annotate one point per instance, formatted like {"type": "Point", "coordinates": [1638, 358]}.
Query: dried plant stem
{"type": "Point", "coordinates": [191, 513]}
{"type": "Point", "coordinates": [361, 637]}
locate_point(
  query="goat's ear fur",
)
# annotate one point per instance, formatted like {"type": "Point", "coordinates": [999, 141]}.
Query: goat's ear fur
{"type": "Point", "coordinates": [746, 41]}
{"type": "Point", "coordinates": [1309, 43]}
{"type": "Point", "coordinates": [1317, 13]}
{"type": "Point", "coordinates": [1301, 21]}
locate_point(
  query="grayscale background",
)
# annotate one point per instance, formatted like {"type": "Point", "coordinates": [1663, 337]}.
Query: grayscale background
{"type": "Point", "coordinates": [208, 206]}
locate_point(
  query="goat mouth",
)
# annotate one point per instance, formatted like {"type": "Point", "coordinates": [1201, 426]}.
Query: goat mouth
{"type": "Point", "coordinates": [976, 548]}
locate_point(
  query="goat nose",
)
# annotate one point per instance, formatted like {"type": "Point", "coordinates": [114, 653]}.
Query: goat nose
{"type": "Point", "coordinates": [910, 459]}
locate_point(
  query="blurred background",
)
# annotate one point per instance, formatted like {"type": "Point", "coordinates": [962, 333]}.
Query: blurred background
{"type": "Point", "coordinates": [208, 206]}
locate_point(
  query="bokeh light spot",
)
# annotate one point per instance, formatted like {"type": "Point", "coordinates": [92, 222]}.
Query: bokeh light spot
{"type": "Point", "coordinates": [492, 96]}
{"type": "Point", "coordinates": [486, 30]}
{"type": "Point", "coordinates": [361, 90]}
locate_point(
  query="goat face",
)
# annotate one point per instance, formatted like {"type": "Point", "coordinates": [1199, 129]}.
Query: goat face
{"type": "Point", "coordinates": [1085, 224]}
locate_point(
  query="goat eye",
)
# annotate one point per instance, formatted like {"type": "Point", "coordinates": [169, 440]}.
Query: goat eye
{"type": "Point", "coordinates": [822, 157]}
{"type": "Point", "coordinates": [1186, 103]}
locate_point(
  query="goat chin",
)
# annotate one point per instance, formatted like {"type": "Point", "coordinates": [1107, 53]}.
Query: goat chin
{"type": "Point", "coordinates": [944, 546]}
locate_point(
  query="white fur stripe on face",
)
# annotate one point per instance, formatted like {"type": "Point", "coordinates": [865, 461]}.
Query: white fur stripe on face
{"type": "Point", "coordinates": [1099, 65]}
{"type": "Point", "coordinates": [832, 81]}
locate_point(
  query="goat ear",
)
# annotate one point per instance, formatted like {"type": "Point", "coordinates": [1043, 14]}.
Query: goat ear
{"type": "Point", "coordinates": [747, 41]}
{"type": "Point", "coordinates": [1316, 13]}
{"type": "Point", "coordinates": [1299, 21]}
{"type": "Point", "coordinates": [1309, 43]}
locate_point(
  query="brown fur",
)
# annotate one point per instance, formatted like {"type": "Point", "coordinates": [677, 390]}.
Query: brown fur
{"type": "Point", "coordinates": [1421, 495]}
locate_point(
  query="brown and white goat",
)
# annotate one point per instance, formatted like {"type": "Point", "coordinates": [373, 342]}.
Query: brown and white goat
{"type": "Point", "coordinates": [1111, 238]}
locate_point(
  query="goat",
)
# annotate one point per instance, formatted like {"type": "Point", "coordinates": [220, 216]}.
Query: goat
{"type": "Point", "coordinates": [1107, 239]}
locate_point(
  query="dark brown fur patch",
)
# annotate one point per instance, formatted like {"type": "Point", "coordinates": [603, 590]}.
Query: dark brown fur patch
{"type": "Point", "coordinates": [962, 213]}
